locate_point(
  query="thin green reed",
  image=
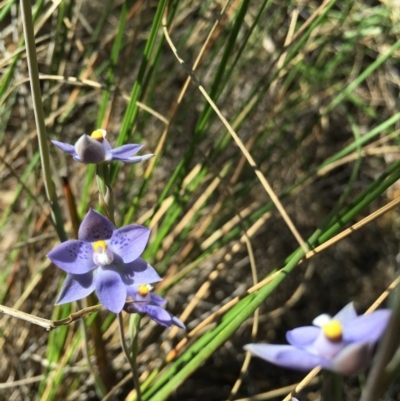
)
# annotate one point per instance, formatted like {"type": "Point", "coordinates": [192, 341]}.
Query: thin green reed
{"type": "Point", "coordinates": [132, 109]}
{"type": "Point", "coordinates": [362, 77]}
{"type": "Point", "coordinates": [39, 117]}
{"type": "Point", "coordinates": [216, 86]}
{"type": "Point", "coordinates": [115, 52]}
{"type": "Point", "coordinates": [362, 140]}
{"type": "Point", "coordinates": [60, 34]}
{"type": "Point", "coordinates": [228, 74]}
{"type": "Point", "coordinates": [6, 79]}
{"type": "Point", "coordinates": [6, 9]}
{"type": "Point", "coordinates": [150, 81]}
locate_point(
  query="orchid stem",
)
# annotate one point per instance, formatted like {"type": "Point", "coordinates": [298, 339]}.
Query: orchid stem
{"type": "Point", "coordinates": [134, 354]}
{"type": "Point", "coordinates": [131, 360]}
{"type": "Point", "coordinates": [332, 388]}
{"type": "Point", "coordinates": [106, 195]}
{"type": "Point", "coordinates": [29, 36]}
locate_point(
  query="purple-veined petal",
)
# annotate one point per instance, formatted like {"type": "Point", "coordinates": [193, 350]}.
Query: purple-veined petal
{"type": "Point", "coordinates": [155, 299]}
{"type": "Point", "coordinates": [126, 151]}
{"type": "Point", "coordinates": [129, 242]}
{"type": "Point", "coordinates": [74, 256]}
{"type": "Point", "coordinates": [91, 150]}
{"type": "Point", "coordinates": [352, 359]}
{"type": "Point", "coordinates": [302, 336]}
{"type": "Point", "coordinates": [110, 289]}
{"type": "Point", "coordinates": [159, 315]}
{"type": "Point", "coordinates": [287, 356]}
{"type": "Point", "coordinates": [95, 227]}
{"type": "Point", "coordinates": [76, 286]}
{"type": "Point", "coordinates": [132, 159]}
{"type": "Point", "coordinates": [66, 147]}
{"type": "Point", "coordinates": [140, 272]}
{"type": "Point", "coordinates": [347, 314]}
{"type": "Point", "coordinates": [367, 328]}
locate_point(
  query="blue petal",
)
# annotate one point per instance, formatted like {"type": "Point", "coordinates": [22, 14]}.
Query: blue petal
{"type": "Point", "coordinates": [157, 300]}
{"type": "Point", "coordinates": [287, 356]}
{"type": "Point", "coordinates": [66, 147]}
{"type": "Point", "coordinates": [129, 242]}
{"type": "Point", "coordinates": [347, 314]}
{"type": "Point", "coordinates": [95, 227]}
{"type": "Point", "coordinates": [140, 272]}
{"type": "Point", "coordinates": [132, 159]}
{"type": "Point", "coordinates": [110, 289]}
{"type": "Point", "coordinates": [76, 287]}
{"type": "Point", "coordinates": [73, 256]}
{"type": "Point", "coordinates": [126, 151]}
{"type": "Point", "coordinates": [302, 336]}
{"type": "Point", "coordinates": [367, 328]}
{"type": "Point", "coordinates": [177, 322]}
{"type": "Point", "coordinates": [158, 314]}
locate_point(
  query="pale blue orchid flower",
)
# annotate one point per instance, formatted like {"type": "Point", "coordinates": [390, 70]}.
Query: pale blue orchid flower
{"type": "Point", "coordinates": [343, 344]}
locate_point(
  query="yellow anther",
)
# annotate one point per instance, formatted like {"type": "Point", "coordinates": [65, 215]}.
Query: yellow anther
{"type": "Point", "coordinates": [99, 135]}
{"type": "Point", "coordinates": [333, 330]}
{"type": "Point", "coordinates": [99, 246]}
{"type": "Point", "coordinates": [143, 290]}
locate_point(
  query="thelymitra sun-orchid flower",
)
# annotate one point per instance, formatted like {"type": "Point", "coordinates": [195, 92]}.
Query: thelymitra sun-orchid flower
{"type": "Point", "coordinates": [96, 149]}
{"type": "Point", "coordinates": [342, 344]}
{"type": "Point", "coordinates": [141, 300]}
{"type": "Point", "coordinates": [104, 259]}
